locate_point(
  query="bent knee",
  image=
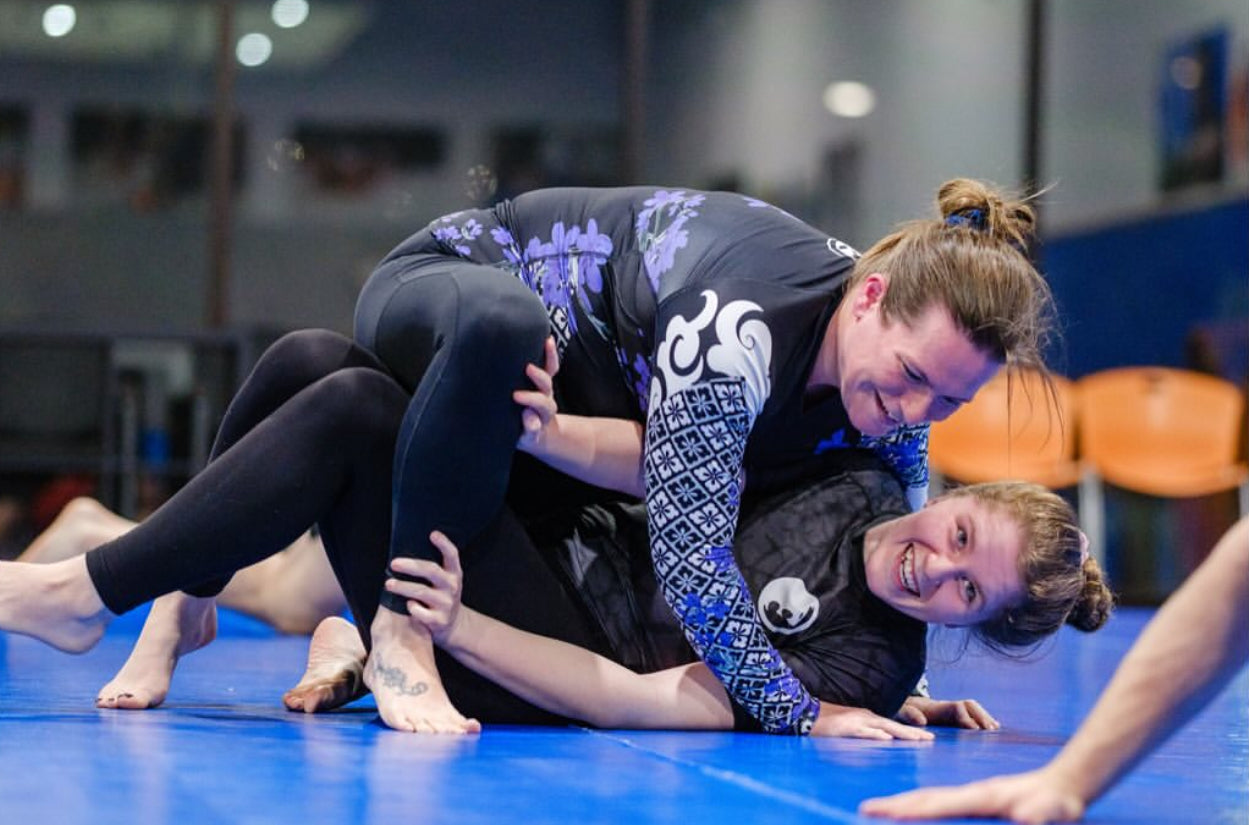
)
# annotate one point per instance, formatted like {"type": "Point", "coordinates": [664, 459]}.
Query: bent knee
{"type": "Point", "coordinates": [504, 328]}
{"type": "Point", "coordinates": [358, 397]}
{"type": "Point", "coordinates": [307, 346]}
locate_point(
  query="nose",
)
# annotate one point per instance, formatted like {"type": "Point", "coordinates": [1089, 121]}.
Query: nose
{"type": "Point", "coordinates": [916, 407]}
{"type": "Point", "coordinates": [939, 568]}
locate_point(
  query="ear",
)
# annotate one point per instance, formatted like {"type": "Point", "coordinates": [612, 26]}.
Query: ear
{"type": "Point", "coordinates": [871, 291]}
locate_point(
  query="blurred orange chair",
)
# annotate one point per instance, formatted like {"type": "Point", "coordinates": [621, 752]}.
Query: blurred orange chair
{"type": "Point", "coordinates": [1160, 431]}
{"type": "Point", "coordinates": [1012, 429]}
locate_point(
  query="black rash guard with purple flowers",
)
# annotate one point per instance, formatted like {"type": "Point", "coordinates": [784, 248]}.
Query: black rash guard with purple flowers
{"type": "Point", "coordinates": [700, 314]}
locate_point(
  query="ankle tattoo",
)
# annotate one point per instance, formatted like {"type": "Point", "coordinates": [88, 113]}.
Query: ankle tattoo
{"type": "Point", "coordinates": [394, 679]}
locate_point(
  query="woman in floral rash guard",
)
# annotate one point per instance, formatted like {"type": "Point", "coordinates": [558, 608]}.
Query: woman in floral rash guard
{"type": "Point", "coordinates": [734, 332]}
{"type": "Point", "coordinates": [723, 348]}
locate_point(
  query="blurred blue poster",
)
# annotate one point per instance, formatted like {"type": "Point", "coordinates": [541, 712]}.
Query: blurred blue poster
{"type": "Point", "coordinates": [1193, 101]}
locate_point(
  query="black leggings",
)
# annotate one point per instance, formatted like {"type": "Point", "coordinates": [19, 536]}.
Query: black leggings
{"type": "Point", "coordinates": [309, 439]}
{"type": "Point", "coordinates": [457, 335]}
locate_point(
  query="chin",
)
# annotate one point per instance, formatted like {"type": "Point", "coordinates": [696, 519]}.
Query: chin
{"type": "Point", "coordinates": [872, 427]}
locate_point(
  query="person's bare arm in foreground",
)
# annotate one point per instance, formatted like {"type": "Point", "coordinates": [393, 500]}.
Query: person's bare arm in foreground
{"type": "Point", "coordinates": [1194, 645]}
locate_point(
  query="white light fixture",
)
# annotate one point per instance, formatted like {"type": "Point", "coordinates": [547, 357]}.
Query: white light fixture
{"type": "Point", "coordinates": [254, 49]}
{"type": "Point", "coordinates": [849, 99]}
{"type": "Point", "coordinates": [288, 14]}
{"type": "Point", "coordinates": [59, 20]}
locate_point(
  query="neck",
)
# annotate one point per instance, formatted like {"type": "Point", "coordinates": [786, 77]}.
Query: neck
{"type": "Point", "coordinates": [824, 372]}
{"type": "Point", "coordinates": [871, 539]}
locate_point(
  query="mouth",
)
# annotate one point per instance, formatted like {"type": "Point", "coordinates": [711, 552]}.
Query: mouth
{"type": "Point", "coordinates": [889, 420]}
{"type": "Point", "coordinates": [906, 571]}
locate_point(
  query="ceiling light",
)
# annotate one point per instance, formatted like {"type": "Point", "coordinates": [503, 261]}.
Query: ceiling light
{"type": "Point", "coordinates": [254, 49]}
{"type": "Point", "coordinates": [849, 99]}
{"type": "Point", "coordinates": [288, 14]}
{"type": "Point", "coordinates": [59, 20]}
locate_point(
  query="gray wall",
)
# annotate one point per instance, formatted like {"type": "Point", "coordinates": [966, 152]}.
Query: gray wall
{"type": "Point", "coordinates": [1105, 64]}
{"type": "Point", "coordinates": [733, 93]}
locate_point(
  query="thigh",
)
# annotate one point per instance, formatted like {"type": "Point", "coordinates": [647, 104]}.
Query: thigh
{"type": "Point", "coordinates": [293, 362]}
{"type": "Point", "coordinates": [458, 336]}
{"type": "Point", "coordinates": [415, 306]}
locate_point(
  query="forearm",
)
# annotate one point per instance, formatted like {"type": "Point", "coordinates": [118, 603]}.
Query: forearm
{"type": "Point", "coordinates": [693, 492]}
{"type": "Point", "coordinates": [605, 452]}
{"type": "Point", "coordinates": [577, 683]}
{"type": "Point", "coordinates": [1186, 654]}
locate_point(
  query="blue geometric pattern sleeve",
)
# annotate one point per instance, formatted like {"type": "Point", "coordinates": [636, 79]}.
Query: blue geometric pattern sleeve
{"type": "Point", "coordinates": [695, 443]}
{"type": "Point", "coordinates": [711, 380]}
{"type": "Point", "coordinates": [905, 450]}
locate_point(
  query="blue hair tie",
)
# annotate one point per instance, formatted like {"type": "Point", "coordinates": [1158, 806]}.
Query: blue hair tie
{"type": "Point", "coordinates": [972, 218]}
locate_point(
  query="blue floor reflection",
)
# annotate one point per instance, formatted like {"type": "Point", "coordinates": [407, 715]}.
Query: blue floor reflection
{"type": "Point", "coordinates": [222, 750]}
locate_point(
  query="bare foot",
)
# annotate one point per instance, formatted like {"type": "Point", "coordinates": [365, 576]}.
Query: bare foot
{"type": "Point", "coordinates": [178, 624]}
{"type": "Point", "coordinates": [54, 603]}
{"type": "Point", "coordinates": [335, 673]}
{"type": "Point", "coordinates": [292, 591]}
{"type": "Point", "coordinates": [404, 679]}
{"type": "Point", "coordinates": [82, 524]}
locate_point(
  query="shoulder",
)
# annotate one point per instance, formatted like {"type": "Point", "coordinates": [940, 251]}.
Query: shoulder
{"type": "Point", "coordinates": [870, 663]}
{"type": "Point", "coordinates": [837, 505]}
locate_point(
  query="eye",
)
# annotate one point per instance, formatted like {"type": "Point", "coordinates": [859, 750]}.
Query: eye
{"type": "Point", "coordinates": [970, 591]}
{"type": "Point", "coordinates": [960, 537]}
{"type": "Point", "coordinates": [911, 375]}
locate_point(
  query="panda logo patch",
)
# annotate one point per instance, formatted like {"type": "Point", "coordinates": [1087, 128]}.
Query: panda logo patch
{"type": "Point", "coordinates": [786, 607]}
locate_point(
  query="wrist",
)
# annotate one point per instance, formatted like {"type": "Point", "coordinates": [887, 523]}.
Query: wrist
{"type": "Point", "coordinates": [1081, 783]}
{"type": "Point", "coordinates": [458, 631]}
{"type": "Point", "coordinates": [804, 721]}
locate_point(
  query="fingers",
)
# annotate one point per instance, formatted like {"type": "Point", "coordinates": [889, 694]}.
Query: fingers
{"type": "Point", "coordinates": [429, 598]}
{"type": "Point", "coordinates": [539, 403]}
{"type": "Point", "coordinates": [432, 619]}
{"type": "Point", "coordinates": [552, 357]}
{"type": "Point", "coordinates": [911, 715]}
{"type": "Point", "coordinates": [929, 803]}
{"type": "Point", "coordinates": [897, 730]}
{"type": "Point", "coordinates": [530, 422]}
{"type": "Point", "coordinates": [964, 713]}
{"type": "Point", "coordinates": [539, 406]}
{"type": "Point", "coordinates": [542, 377]}
{"type": "Point", "coordinates": [979, 717]}
{"type": "Point", "coordinates": [859, 723]}
{"type": "Point", "coordinates": [936, 803]}
{"type": "Point", "coordinates": [542, 380]}
{"type": "Point", "coordinates": [886, 730]}
{"type": "Point", "coordinates": [970, 715]}
{"type": "Point", "coordinates": [437, 575]}
{"type": "Point", "coordinates": [450, 553]}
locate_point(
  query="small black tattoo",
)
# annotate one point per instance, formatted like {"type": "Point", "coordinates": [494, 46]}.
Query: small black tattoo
{"type": "Point", "coordinates": [396, 680]}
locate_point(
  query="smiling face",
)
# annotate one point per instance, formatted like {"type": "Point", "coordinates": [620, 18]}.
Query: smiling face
{"type": "Point", "coordinates": [956, 562]}
{"type": "Point", "coordinates": [891, 372]}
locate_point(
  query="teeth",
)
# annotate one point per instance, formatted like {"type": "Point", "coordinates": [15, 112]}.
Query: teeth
{"type": "Point", "coordinates": [908, 569]}
{"type": "Point", "coordinates": [884, 411]}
